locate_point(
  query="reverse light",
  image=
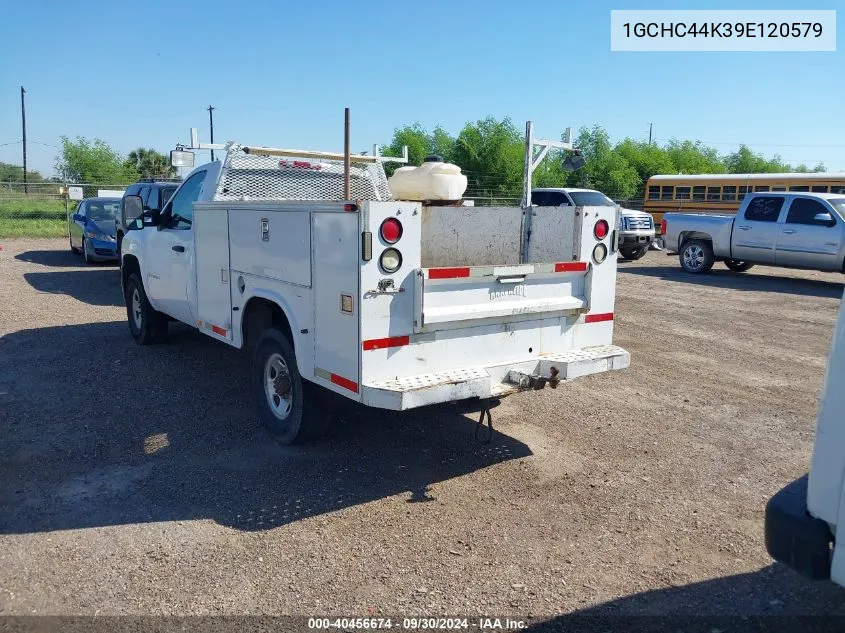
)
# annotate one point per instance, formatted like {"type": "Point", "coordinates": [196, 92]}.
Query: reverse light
{"type": "Point", "coordinates": [390, 260]}
{"type": "Point", "coordinates": [391, 230]}
{"type": "Point", "coordinates": [601, 229]}
{"type": "Point", "coordinates": [599, 253]}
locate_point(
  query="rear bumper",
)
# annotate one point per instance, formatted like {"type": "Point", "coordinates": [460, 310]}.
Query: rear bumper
{"type": "Point", "coordinates": [636, 239]}
{"type": "Point", "coordinates": [794, 537]}
{"type": "Point", "coordinates": [494, 381]}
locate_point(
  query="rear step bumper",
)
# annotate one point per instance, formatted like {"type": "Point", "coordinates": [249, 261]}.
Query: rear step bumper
{"type": "Point", "coordinates": [495, 381]}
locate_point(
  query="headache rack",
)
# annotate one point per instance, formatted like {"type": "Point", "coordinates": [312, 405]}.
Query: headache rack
{"type": "Point", "coordinates": [265, 173]}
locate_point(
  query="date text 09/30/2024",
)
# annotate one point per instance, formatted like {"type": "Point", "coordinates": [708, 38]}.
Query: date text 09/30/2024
{"type": "Point", "coordinates": [417, 624]}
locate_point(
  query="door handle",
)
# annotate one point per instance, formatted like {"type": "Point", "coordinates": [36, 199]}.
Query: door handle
{"type": "Point", "coordinates": [789, 231]}
{"type": "Point", "coordinates": [744, 227]}
{"type": "Point", "coordinates": [178, 249]}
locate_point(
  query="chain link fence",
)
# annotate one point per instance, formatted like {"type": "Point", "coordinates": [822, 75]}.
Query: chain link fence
{"type": "Point", "coordinates": [46, 200]}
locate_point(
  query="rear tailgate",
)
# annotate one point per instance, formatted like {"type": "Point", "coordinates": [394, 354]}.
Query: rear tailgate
{"type": "Point", "coordinates": [448, 298]}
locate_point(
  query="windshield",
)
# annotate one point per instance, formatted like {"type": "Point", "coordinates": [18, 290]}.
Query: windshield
{"type": "Point", "coordinates": [591, 199]}
{"type": "Point", "coordinates": [103, 211]}
{"type": "Point", "coordinates": [839, 205]}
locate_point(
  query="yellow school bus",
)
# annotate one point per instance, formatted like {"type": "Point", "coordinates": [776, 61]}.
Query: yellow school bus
{"type": "Point", "coordinates": [722, 193]}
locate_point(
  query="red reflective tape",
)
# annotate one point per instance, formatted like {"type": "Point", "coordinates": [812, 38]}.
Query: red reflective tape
{"type": "Point", "coordinates": [218, 330]}
{"type": "Point", "coordinates": [570, 267]}
{"type": "Point", "coordinates": [390, 341]}
{"type": "Point", "coordinates": [596, 318]}
{"type": "Point", "coordinates": [345, 383]}
{"type": "Point", "coordinates": [447, 273]}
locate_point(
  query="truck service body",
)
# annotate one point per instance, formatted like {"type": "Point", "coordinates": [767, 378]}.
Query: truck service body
{"type": "Point", "coordinates": [391, 303]}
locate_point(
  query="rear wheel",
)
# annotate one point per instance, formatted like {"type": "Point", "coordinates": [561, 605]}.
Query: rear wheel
{"type": "Point", "coordinates": [281, 394]}
{"type": "Point", "coordinates": [696, 256]}
{"type": "Point", "coordinates": [634, 253]}
{"type": "Point", "coordinates": [737, 265]}
{"type": "Point", "coordinates": [146, 324]}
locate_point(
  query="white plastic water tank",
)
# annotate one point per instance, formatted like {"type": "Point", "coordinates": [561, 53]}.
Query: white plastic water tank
{"type": "Point", "coordinates": [433, 180]}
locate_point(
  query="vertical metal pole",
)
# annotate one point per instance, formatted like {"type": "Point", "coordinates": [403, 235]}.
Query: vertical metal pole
{"type": "Point", "coordinates": [526, 194]}
{"type": "Point", "coordinates": [211, 128]}
{"type": "Point", "coordinates": [649, 132]}
{"type": "Point", "coordinates": [346, 154]}
{"type": "Point", "coordinates": [23, 125]}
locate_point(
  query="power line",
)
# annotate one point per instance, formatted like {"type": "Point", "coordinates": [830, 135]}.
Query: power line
{"type": "Point", "coordinates": [9, 143]}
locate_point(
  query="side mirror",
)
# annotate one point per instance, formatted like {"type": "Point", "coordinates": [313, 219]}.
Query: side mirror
{"type": "Point", "coordinates": [131, 211]}
{"type": "Point", "coordinates": [77, 218]}
{"type": "Point", "coordinates": [824, 218]}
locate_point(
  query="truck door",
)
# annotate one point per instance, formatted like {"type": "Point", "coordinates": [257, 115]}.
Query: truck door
{"type": "Point", "coordinates": [810, 236]}
{"type": "Point", "coordinates": [755, 231]}
{"type": "Point", "coordinates": [171, 252]}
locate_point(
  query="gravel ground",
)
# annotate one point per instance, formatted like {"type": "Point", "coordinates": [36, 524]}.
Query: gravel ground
{"type": "Point", "coordinates": [136, 480]}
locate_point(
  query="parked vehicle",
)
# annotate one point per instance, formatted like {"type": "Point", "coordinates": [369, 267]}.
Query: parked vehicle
{"type": "Point", "coordinates": [636, 229]}
{"type": "Point", "coordinates": [803, 519]}
{"type": "Point", "coordinates": [385, 302]}
{"type": "Point", "coordinates": [723, 193]}
{"type": "Point", "coordinates": [794, 230]}
{"type": "Point", "coordinates": [154, 195]}
{"type": "Point", "coordinates": [91, 228]}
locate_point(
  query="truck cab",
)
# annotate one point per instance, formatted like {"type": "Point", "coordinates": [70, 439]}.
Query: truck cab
{"type": "Point", "coordinates": [636, 228]}
{"type": "Point", "coordinates": [803, 519]}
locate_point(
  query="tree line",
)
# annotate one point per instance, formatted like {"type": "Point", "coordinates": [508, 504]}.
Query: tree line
{"type": "Point", "coordinates": [491, 153]}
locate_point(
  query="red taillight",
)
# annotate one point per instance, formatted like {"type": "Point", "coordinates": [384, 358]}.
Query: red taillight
{"type": "Point", "coordinates": [663, 226]}
{"type": "Point", "coordinates": [601, 229]}
{"type": "Point", "coordinates": [391, 230]}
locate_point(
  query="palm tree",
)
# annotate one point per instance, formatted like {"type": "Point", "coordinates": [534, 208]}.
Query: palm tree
{"type": "Point", "coordinates": [150, 163]}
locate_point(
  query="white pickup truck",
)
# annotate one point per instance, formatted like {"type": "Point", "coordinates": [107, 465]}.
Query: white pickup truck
{"type": "Point", "coordinates": [790, 229]}
{"type": "Point", "coordinates": [390, 303]}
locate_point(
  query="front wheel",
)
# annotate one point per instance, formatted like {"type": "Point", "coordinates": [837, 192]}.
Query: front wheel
{"type": "Point", "coordinates": [86, 251]}
{"type": "Point", "coordinates": [634, 253]}
{"type": "Point", "coordinates": [696, 256]}
{"type": "Point", "coordinates": [73, 248]}
{"type": "Point", "coordinates": [737, 265]}
{"type": "Point", "coordinates": [281, 394]}
{"type": "Point", "coordinates": [146, 324]}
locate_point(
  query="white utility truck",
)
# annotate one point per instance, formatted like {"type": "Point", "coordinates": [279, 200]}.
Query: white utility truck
{"type": "Point", "coordinates": [306, 257]}
{"type": "Point", "coordinates": [803, 519]}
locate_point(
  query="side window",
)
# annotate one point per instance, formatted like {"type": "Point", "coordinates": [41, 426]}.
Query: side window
{"type": "Point", "coordinates": [166, 193]}
{"type": "Point", "coordinates": [760, 188]}
{"type": "Point", "coordinates": [152, 199]}
{"type": "Point", "coordinates": [799, 188]}
{"type": "Point", "coordinates": [539, 198]}
{"type": "Point", "coordinates": [698, 193]}
{"type": "Point", "coordinates": [182, 202]}
{"type": "Point", "coordinates": [667, 193]}
{"type": "Point", "coordinates": [558, 199]}
{"type": "Point", "coordinates": [819, 188]}
{"type": "Point", "coordinates": [764, 209]}
{"type": "Point", "coordinates": [743, 189]}
{"type": "Point", "coordinates": [804, 211]}
{"type": "Point", "coordinates": [654, 192]}
{"type": "Point", "coordinates": [729, 192]}
{"type": "Point", "coordinates": [714, 193]}
{"type": "Point", "coordinates": [83, 209]}
{"type": "Point", "coordinates": [143, 192]}
{"type": "Point", "coordinates": [682, 193]}
{"type": "Point", "coordinates": [837, 188]}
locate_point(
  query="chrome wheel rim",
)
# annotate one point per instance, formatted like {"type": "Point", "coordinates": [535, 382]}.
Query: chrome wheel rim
{"type": "Point", "coordinates": [85, 248]}
{"type": "Point", "coordinates": [136, 308]}
{"type": "Point", "coordinates": [694, 257]}
{"type": "Point", "coordinates": [278, 387]}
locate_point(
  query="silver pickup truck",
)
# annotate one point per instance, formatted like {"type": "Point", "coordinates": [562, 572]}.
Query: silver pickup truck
{"type": "Point", "coordinates": [790, 229]}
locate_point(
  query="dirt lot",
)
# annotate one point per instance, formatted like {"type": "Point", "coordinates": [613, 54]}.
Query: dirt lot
{"type": "Point", "coordinates": [136, 480]}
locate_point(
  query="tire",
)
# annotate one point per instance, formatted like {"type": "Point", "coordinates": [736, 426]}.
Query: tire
{"type": "Point", "coordinates": [85, 253]}
{"type": "Point", "coordinates": [738, 266]}
{"type": "Point", "coordinates": [73, 248]}
{"type": "Point", "coordinates": [634, 253]}
{"type": "Point", "coordinates": [146, 324]}
{"type": "Point", "coordinates": [696, 256]}
{"type": "Point", "coordinates": [286, 406]}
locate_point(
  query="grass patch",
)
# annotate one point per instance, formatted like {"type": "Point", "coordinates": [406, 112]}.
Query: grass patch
{"type": "Point", "coordinates": [32, 227]}
{"type": "Point", "coordinates": [27, 208]}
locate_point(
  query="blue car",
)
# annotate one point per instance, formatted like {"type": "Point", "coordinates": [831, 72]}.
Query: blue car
{"type": "Point", "coordinates": [93, 228]}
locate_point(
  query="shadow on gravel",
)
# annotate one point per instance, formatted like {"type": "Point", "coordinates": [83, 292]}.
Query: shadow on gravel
{"type": "Point", "coordinates": [743, 281]}
{"type": "Point", "coordinates": [773, 599]}
{"type": "Point", "coordinates": [59, 259]}
{"type": "Point", "coordinates": [98, 286]}
{"type": "Point", "coordinates": [112, 433]}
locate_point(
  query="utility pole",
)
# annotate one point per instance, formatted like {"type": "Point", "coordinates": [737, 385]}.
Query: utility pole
{"type": "Point", "coordinates": [649, 133]}
{"type": "Point", "coordinates": [23, 125]}
{"type": "Point", "coordinates": [211, 127]}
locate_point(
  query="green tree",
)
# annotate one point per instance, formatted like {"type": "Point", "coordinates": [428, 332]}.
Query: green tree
{"type": "Point", "coordinates": [647, 159]}
{"type": "Point", "coordinates": [490, 152]}
{"type": "Point", "coordinates": [606, 170]}
{"type": "Point", "coordinates": [14, 173]}
{"type": "Point", "coordinates": [150, 163]}
{"type": "Point", "coordinates": [93, 162]}
{"type": "Point", "coordinates": [693, 157]}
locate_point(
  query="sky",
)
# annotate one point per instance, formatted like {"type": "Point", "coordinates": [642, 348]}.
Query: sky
{"type": "Point", "coordinates": [280, 74]}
